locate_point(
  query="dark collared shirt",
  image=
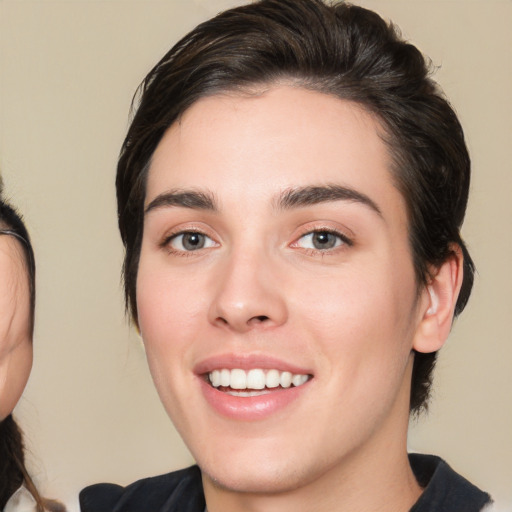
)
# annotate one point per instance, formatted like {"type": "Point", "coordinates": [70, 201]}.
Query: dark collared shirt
{"type": "Point", "coordinates": [182, 491]}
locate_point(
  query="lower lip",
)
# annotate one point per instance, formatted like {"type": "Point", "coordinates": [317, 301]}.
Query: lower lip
{"type": "Point", "coordinates": [251, 408]}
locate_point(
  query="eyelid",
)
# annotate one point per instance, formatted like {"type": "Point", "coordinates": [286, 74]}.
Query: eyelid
{"type": "Point", "coordinates": [180, 230]}
{"type": "Point", "coordinates": [346, 239]}
{"type": "Point", "coordinates": [208, 243]}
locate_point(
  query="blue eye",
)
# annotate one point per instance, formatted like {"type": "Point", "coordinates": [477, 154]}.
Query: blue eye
{"type": "Point", "coordinates": [190, 241]}
{"type": "Point", "coordinates": [321, 240]}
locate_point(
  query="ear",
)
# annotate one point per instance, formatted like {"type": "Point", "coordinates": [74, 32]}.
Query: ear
{"type": "Point", "coordinates": [437, 303]}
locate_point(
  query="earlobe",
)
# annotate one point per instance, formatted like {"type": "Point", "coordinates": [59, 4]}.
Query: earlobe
{"type": "Point", "coordinates": [438, 303]}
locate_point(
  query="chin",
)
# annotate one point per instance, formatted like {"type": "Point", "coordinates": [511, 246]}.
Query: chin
{"type": "Point", "coordinates": [255, 478]}
{"type": "Point", "coordinates": [260, 470]}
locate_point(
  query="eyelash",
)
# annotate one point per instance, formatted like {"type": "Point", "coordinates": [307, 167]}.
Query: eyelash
{"type": "Point", "coordinates": [343, 241]}
{"type": "Point", "coordinates": [166, 243]}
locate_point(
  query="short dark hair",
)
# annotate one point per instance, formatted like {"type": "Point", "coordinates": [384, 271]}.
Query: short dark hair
{"type": "Point", "coordinates": [338, 49]}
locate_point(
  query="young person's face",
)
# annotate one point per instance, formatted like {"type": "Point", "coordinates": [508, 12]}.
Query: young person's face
{"type": "Point", "coordinates": [276, 243]}
{"type": "Point", "coordinates": [15, 336]}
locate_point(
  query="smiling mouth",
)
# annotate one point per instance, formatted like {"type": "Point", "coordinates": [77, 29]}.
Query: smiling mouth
{"type": "Point", "coordinates": [255, 382]}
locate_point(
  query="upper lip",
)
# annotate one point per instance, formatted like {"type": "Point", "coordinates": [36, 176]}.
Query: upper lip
{"type": "Point", "coordinates": [247, 362]}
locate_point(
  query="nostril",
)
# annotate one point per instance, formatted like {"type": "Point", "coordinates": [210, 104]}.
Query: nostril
{"type": "Point", "coordinates": [234, 322]}
{"type": "Point", "coordinates": [260, 318]}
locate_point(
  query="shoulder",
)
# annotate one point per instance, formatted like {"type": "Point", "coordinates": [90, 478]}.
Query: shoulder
{"type": "Point", "coordinates": [444, 489]}
{"type": "Point", "coordinates": [178, 491]}
{"type": "Point", "coordinates": [21, 501]}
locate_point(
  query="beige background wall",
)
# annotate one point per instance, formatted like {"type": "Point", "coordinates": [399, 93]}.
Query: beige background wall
{"type": "Point", "coordinates": [67, 73]}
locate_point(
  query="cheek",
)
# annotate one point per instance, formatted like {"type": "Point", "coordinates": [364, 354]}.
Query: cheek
{"type": "Point", "coordinates": [14, 373]}
{"type": "Point", "coordinates": [361, 316]}
{"type": "Point", "coordinates": [163, 322]}
{"type": "Point", "coordinates": [167, 303]}
{"type": "Point", "coordinates": [171, 313]}
{"type": "Point", "coordinates": [363, 335]}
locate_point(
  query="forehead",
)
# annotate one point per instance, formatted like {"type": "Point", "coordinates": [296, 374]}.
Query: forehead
{"type": "Point", "coordinates": [284, 137]}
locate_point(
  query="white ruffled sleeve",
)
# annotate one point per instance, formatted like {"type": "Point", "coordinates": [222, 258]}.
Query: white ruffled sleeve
{"type": "Point", "coordinates": [21, 501]}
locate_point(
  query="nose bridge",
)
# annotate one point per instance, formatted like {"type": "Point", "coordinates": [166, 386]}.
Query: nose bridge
{"type": "Point", "coordinates": [248, 294]}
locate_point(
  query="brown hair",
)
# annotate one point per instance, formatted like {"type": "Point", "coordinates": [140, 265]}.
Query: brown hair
{"type": "Point", "coordinates": [13, 472]}
{"type": "Point", "coordinates": [339, 49]}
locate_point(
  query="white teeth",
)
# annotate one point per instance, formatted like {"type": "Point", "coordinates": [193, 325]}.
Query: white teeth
{"type": "Point", "coordinates": [238, 379]}
{"type": "Point", "coordinates": [225, 377]}
{"type": "Point", "coordinates": [215, 378]}
{"type": "Point", "coordinates": [255, 379]}
{"type": "Point", "coordinates": [286, 379]}
{"type": "Point", "coordinates": [298, 380]}
{"type": "Point", "coordinates": [247, 393]}
{"type": "Point", "coordinates": [272, 379]}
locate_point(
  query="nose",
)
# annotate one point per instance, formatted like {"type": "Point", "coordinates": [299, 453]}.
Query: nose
{"type": "Point", "coordinates": [248, 294]}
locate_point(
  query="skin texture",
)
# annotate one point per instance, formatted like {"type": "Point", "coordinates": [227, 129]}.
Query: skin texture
{"type": "Point", "coordinates": [349, 315]}
{"type": "Point", "coordinates": [15, 338]}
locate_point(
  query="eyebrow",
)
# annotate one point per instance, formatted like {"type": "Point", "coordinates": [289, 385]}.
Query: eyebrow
{"type": "Point", "coordinates": [185, 199]}
{"type": "Point", "coordinates": [287, 200]}
{"type": "Point", "coordinates": [312, 195]}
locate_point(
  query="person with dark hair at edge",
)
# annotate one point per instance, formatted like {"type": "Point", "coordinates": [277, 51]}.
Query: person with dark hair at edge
{"type": "Point", "coordinates": [290, 197]}
{"type": "Point", "coordinates": [17, 306]}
